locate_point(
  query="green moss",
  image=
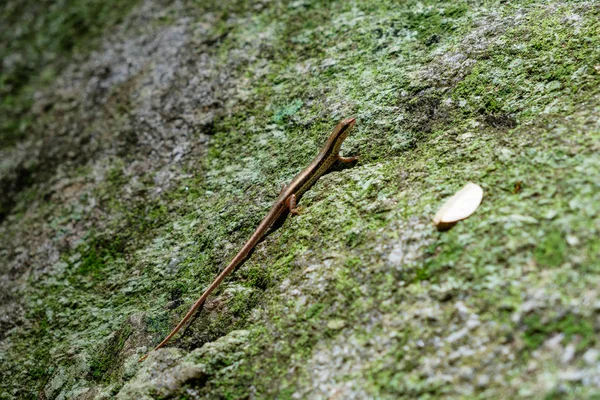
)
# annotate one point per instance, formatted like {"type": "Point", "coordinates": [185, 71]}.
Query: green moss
{"type": "Point", "coordinates": [435, 20]}
{"type": "Point", "coordinates": [315, 310]}
{"type": "Point", "coordinates": [552, 250]}
{"type": "Point", "coordinates": [99, 253]}
{"type": "Point", "coordinates": [517, 77]}
{"type": "Point", "coordinates": [282, 113]}
{"type": "Point", "coordinates": [106, 358]}
{"type": "Point", "coordinates": [41, 370]}
{"type": "Point", "coordinates": [257, 276]}
{"type": "Point", "coordinates": [91, 263]}
{"type": "Point", "coordinates": [159, 325]}
{"type": "Point", "coordinates": [539, 330]}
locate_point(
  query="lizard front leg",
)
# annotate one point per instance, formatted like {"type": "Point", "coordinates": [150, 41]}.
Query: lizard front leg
{"type": "Point", "coordinates": [346, 159]}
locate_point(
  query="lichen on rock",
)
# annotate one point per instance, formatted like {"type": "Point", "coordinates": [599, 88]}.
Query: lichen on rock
{"type": "Point", "coordinates": [144, 143]}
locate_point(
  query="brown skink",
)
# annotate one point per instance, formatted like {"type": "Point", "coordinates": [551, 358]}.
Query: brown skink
{"type": "Point", "coordinates": [289, 196]}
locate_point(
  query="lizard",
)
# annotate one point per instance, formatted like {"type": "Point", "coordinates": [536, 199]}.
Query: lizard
{"type": "Point", "coordinates": [286, 202]}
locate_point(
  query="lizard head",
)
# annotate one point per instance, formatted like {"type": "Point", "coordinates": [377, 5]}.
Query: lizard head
{"type": "Point", "coordinates": [341, 131]}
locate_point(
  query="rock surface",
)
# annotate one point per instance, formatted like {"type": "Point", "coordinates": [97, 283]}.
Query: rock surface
{"type": "Point", "coordinates": [143, 141]}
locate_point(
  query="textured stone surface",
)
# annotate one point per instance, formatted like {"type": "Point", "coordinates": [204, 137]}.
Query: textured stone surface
{"type": "Point", "coordinates": [142, 145]}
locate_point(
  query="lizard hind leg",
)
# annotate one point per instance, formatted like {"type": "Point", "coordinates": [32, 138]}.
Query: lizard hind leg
{"type": "Point", "coordinates": [290, 202]}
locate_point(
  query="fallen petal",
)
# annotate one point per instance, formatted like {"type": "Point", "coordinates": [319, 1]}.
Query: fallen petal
{"type": "Point", "coordinates": [458, 207]}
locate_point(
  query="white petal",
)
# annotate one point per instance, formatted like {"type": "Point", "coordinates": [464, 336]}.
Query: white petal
{"type": "Point", "coordinates": [460, 206]}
